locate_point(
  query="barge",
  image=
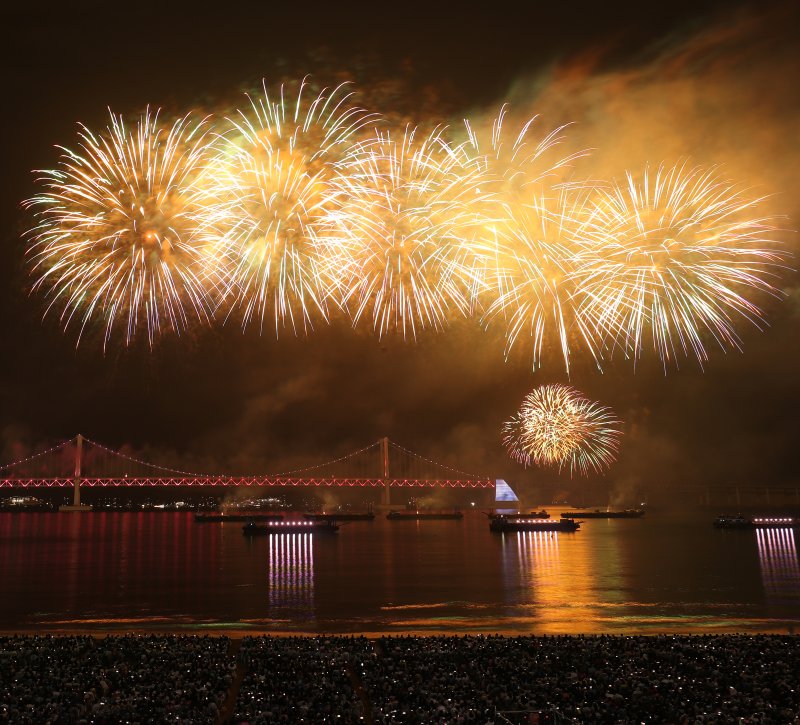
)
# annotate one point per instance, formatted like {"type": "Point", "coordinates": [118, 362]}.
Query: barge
{"type": "Point", "coordinates": [599, 514]}
{"type": "Point", "coordinates": [520, 515]}
{"type": "Point", "coordinates": [424, 515]}
{"type": "Point", "coordinates": [221, 516]}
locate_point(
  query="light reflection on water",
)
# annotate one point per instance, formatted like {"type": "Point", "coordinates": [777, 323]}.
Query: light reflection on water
{"type": "Point", "coordinates": [780, 570]}
{"type": "Point", "coordinates": [162, 571]}
{"type": "Point", "coordinates": [559, 575]}
{"type": "Point", "coordinates": [291, 572]}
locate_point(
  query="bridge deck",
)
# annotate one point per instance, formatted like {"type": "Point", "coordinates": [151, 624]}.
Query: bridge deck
{"type": "Point", "coordinates": [254, 481]}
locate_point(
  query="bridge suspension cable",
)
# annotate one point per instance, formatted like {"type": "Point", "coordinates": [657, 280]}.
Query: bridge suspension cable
{"type": "Point", "coordinates": [329, 463]}
{"type": "Point", "coordinates": [118, 454]}
{"type": "Point", "coordinates": [398, 447]}
{"type": "Point", "coordinates": [34, 456]}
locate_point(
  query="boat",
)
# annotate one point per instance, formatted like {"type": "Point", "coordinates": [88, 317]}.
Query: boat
{"type": "Point", "coordinates": [222, 516]}
{"type": "Point", "coordinates": [342, 516]}
{"type": "Point", "coordinates": [424, 515]}
{"type": "Point", "coordinates": [503, 525]}
{"type": "Point", "coordinates": [600, 514]}
{"type": "Point", "coordinates": [521, 515]}
{"type": "Point", "coordinates": [757, 522]}
{"type": "Point", "coordinates": [290, 527]}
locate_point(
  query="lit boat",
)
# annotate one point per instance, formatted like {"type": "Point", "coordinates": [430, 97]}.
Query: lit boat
{"type": "Point", "coordinates": [775, 522]}
{"type": "Point", "coordinates": [290, 527]}
{"type": "Point", "coordinates": [502, 525]}
{"type": "Point", "coordinates": [423, 515]}
{"type": "Point", "coordinates": [756, 522]}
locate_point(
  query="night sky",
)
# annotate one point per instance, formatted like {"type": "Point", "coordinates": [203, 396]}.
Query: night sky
{"type": "Point", "coordinates": [710, 81]}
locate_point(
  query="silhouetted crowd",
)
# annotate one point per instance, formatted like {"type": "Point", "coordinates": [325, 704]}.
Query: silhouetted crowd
{"type": "Point", "coordinates": [300, 680]}
{"type": "Point", "coordinates": [130, 679]}
{"type": "Point", "coordinates": [602, 679]}
{"type": "Point", "coordinates": [489, 680]}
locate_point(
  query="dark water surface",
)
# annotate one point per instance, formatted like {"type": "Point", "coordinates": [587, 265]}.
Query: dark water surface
{"type": "Point", "coordinates": [666, 572]}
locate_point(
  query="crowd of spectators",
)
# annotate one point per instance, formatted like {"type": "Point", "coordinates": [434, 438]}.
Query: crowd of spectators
{"type": "Point", "coordinates": [301, 680]}
{"type": "Point", "coordinates": [488, 680]}
{"type": "Point", "coordinates": [129, 679]}
{"type": "Point", "coordinates": [593, 679]}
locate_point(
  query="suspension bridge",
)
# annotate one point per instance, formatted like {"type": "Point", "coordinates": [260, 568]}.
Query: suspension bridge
{"type": "Point", "coordinates": [81, 462]}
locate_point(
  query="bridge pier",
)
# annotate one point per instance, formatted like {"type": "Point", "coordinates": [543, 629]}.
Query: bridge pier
{"type": "Point", "coordinates": [77, 506]}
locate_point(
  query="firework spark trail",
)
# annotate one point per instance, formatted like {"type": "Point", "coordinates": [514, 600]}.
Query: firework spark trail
{"type": "Point", "coordinates": [269, 192]}
{"type": "Point", "coordinates": [672, 256]}
{"type": "Point", "coordinates": [530, 266]}
{"type": "Point", "coordinates": [557, 426]}
{"type": "Point", "coordinates": [114, 236]}
{"type": "Point", "coordinates": [406, 210]}
{"type": "Point", "coordinates": [516, 166]}
{"type": "Point", "coordinates": [525, 255]}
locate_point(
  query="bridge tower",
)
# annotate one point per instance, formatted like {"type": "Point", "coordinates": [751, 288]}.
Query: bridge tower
{"type": "Point", "coordinates": [76, 480]}
{"type": "Point", "coordinates": [385, 457]}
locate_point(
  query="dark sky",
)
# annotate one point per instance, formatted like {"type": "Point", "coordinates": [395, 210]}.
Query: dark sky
{"type": "Point", "coordinates": [235, 402]}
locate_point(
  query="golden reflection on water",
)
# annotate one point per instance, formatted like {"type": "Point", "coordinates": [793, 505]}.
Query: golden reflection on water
{"type": "Point", "coordinates": [291, 571]}
{"type": "Point", "coordinates": [565, 580]}
{"type": "Point", "coordinates": [780, 570]}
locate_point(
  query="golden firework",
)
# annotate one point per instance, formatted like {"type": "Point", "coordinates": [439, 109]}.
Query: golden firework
{"type": "Point", "coordinates": [677, 257]}
{"type": "Point", "coordinates": [407, 207]}
{"type": "Point", "coordinates": [557, 426]}
{"type": "Point", "coordinates": [269, 193]}
{"type": "Point", "coordinates": [529, 240]}
{"type": "Point", "coordinates": [115, 233]}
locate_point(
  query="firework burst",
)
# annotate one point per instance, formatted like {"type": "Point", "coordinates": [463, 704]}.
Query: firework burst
{"type": "Point", "coordinates": [529, 242]}
{"type": "Point", "coordinates": [406, 211]}
{"type": "Point", "coordinates": [514, 162]}
{"type": "Point", "coordinates": [676, 257]}
{"type": "Point", "coordinates": [528, 267]}
{"type": "Point", "coordinates": [114, 237]}
{"type": "Point", "coordinates": [269, 194]}
{"type": "Point", "coordinates": [557, 426]}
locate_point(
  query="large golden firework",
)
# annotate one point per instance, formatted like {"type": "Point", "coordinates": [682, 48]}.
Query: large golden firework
{"type": "Point", "coordinates": [557, 426]}
{"type": "Point", "coordinates": [677, 257]}
{"type": "Point", "coordinates": [407, 207]}
{"type": "Point", "coordinates": [115, 234]}
{"type": "Point", "coordinates": [269, 192]}
{"type": "Point", "coordinates": [528, 266]}
{"type": "Point", "coordinates": [529, 241]}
